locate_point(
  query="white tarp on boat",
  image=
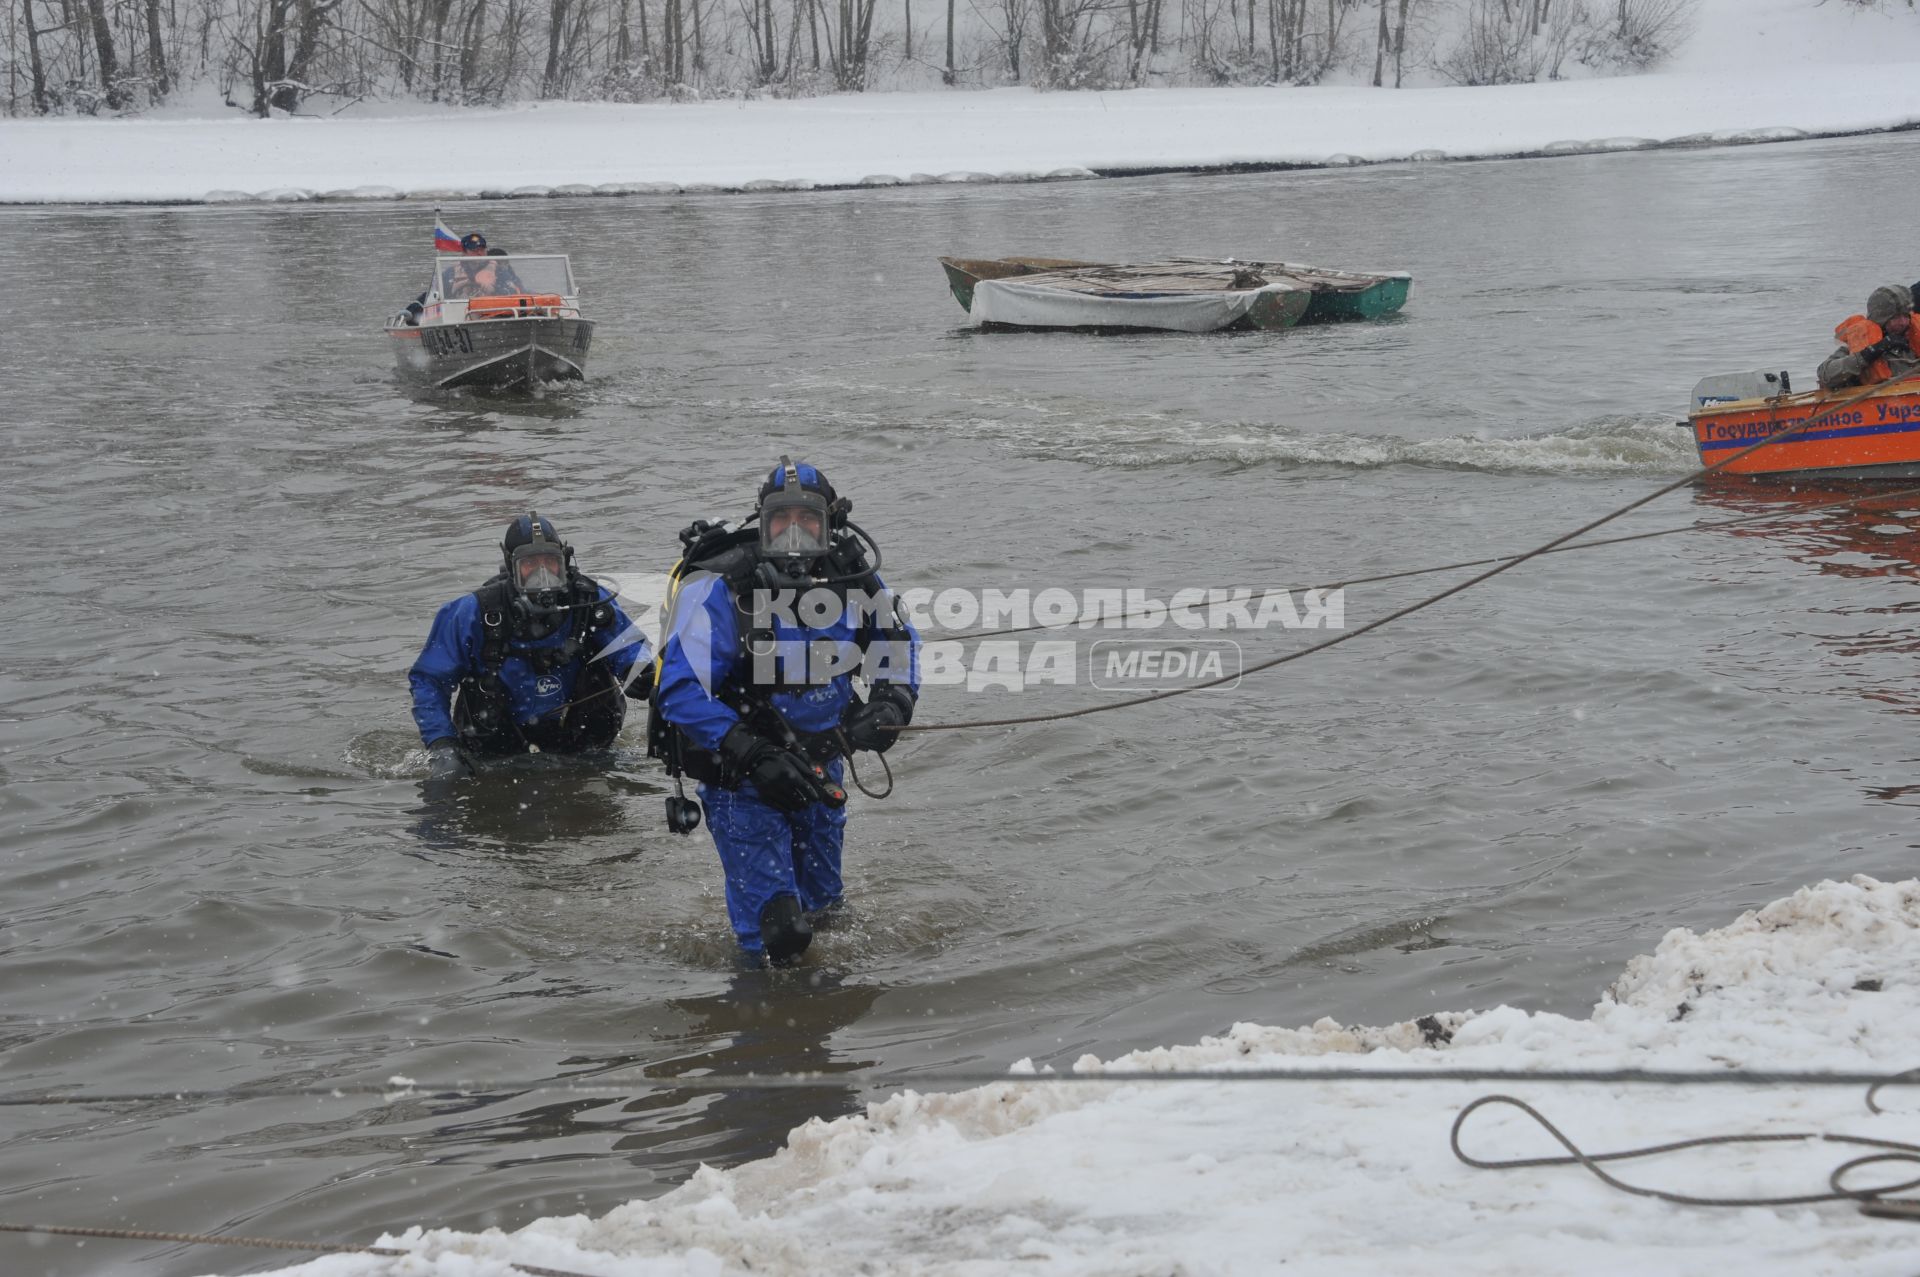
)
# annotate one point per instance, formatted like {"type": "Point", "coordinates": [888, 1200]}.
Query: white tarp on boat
{"type": "Point", "coordinates": [1034, 304]}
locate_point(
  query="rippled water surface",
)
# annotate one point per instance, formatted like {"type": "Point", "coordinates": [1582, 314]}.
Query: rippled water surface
{"type": "Point", "coordinates": [229, 527]}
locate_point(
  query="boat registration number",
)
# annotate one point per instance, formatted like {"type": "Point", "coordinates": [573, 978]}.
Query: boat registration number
{"type": "Point", "coordinates": [447, 341]}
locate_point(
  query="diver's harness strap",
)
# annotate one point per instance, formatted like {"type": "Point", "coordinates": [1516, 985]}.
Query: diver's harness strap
{"type": "Point", "coordinates": [485, 694]}
{"type": "Point", "coordinates": [501, 625]}
{"type": "Point", "coordinates": [729, 553]}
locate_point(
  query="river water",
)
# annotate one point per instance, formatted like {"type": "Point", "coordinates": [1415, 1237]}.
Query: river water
{"type": "Point", "coordinates": [231, 527]}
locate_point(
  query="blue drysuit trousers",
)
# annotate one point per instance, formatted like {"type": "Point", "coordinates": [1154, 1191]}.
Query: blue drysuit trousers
{"type": "Point", "coordinates": [767, 853]}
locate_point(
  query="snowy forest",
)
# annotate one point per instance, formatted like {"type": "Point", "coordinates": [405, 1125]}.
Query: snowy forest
{"type": "Point", "coordinates": [318, 57]}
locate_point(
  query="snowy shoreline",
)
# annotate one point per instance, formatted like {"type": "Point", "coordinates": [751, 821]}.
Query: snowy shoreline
{"type": "Point", "coordinates": [999, 135]}
{"type": "Point", "coordinates": [1558, 150]}
{"type": "Point", "coordinates": [1334, 1177]}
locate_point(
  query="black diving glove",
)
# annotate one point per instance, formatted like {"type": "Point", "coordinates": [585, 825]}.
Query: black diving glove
{"type": "Point", "coordinates": [1891, 345]}
{"type": "Point", "coordinates": [640, 686]}
{"type": "Point", "coordinates": [783, 781]}
{"type": "Point", "coordinates": [869, 726]}
{"type": "Point", "coordinates": [444, 761]}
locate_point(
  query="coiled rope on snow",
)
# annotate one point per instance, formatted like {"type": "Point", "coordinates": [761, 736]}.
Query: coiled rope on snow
{"type": "Point", "coordinates": [1878, 1196]}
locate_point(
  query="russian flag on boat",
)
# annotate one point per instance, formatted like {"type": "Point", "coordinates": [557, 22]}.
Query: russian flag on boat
{"type": "Point", "coordinates": [444, 240]}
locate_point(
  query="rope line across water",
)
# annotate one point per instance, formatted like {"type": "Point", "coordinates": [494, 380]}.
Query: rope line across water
{"type": "Point", "coordinates": [1419, 604]}
{"type": "Point", "coordinates": [1710, 525]}
{"type": "Point", "coordinates": [1499, 564]}
{"type": "Point", "coordinates": [964, 1077]}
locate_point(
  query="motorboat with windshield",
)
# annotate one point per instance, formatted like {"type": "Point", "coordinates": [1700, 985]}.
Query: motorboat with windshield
{"type": "Point", "coordinates": [498, 322]}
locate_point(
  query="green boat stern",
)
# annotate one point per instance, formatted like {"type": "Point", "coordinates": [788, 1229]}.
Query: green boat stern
{"type": "Point", "coordinates": [1372, 302]}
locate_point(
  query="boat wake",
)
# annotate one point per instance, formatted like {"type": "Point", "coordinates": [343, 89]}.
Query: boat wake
{"type": "Point", "coordinates": [1607, 446]}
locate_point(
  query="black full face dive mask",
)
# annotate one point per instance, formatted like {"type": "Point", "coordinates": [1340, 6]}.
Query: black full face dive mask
{"type": "Point", "coordinates": [796, 525]}
{"type": "Point", "coordinates": [795, 522]}
{"type": "Point", "coordinates": [540, 578]}
{"type": "Point", "coordinates": [805, 533]}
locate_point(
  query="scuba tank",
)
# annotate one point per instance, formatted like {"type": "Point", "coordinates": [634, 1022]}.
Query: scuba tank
{"type": "Point", "coordinates": [730, 553]}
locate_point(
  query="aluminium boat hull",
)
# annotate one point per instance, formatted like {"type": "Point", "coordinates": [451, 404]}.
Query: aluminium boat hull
{"type": "Point", "coordinates": [493, 354]}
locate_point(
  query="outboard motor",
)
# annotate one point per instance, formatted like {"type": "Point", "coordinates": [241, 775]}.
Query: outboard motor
{"type": "Point", "coordinates": [1729, 387]}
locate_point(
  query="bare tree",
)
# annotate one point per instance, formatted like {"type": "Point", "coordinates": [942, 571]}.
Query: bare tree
{"type": "Point", "coordinates": [1380, 44]}
{"type": "Point", "coordinates": [1400, 44]}
{"type": "Point", "coordinates": [670, 42]}
{"type": "Point", "coordinates": [1391, 41]}
{"type": "Point", "coordinates": [1644, 31]}
{"type": "Point", "coordinates": [1143, 34]}
{"type": "Point", "coordinates": [1304, 38]}
{"type": "Point", "coordinates": [1076, 43]}
{"type": "Point", "coordinates": [849, 43]}
{"type": "Point", "coordinates": [550, 79]}
{"type": "Point", "coordinates": [109, 62]}
{"type": "Point", "coordinates": [157, 53]}
{"type": "Point", "coordinates": [83, 55]}
{"type": "Point", "coordinates": [1015, 39]}
{"type": "Point", "coordinates": [760, 34]}
{"type": "Point", "coordinates": [472, 30]}
{"type": "Point", "coordinates": [36, 69]}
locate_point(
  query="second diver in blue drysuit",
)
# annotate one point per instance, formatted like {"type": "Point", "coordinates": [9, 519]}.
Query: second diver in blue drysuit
{"type": "Point", "coordinates": [756, 698]}
{"type": "Point", "coordinates": [541, 656]}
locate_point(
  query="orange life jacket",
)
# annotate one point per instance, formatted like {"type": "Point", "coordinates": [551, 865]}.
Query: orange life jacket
{"type": "Point", "coordinates": [1857, 332]}
{"type": "Point", "coordinates": [519, 305]}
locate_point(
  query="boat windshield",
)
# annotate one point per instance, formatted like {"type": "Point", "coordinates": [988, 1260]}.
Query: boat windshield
{"type": "Point", "coordinates": [495, 276]}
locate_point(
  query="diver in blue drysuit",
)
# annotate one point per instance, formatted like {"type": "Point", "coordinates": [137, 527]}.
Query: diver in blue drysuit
{"type": "Point", "coordinates": [765, 735]}
{"type": "Point", "coordinates": [538, 657]}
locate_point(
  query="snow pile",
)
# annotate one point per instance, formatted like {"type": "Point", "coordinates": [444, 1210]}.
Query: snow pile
{"type": "Point", "coordinates": [1330, 1177]}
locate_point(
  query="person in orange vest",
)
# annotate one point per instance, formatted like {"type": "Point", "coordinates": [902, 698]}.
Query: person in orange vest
{"type": "Point", "coordinates": [1877, 346]}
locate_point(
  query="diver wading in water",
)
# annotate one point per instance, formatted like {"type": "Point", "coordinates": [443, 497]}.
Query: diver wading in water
{"type": "Point", "coordinates": [766, 627]}
{"type": "Point", "coordinates": [536, 658]}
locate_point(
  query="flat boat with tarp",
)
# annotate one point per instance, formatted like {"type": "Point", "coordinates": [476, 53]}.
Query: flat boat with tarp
{"type": "Point", "coordinates": [1871, 433]}
{"type": "Point", "coordinates": [496, 323]}
{"type": "Point", "coordinates": [1186, 294]}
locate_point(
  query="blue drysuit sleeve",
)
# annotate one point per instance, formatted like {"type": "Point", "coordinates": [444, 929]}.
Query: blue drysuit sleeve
{"type": "Point", "coordinates": [449, 656]}
{"type": "Point", "coordinates": [884, 657]}
{"type": "Point", "coordinates": [626, 644]}
{"type": "Point", "coordinates": [697, 654]}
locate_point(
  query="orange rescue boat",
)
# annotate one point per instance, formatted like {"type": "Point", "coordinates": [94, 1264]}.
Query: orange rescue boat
{"type": "Point", "coordinates": [1856, 433]}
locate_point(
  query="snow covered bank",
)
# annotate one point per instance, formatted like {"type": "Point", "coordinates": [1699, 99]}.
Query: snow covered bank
{"type": "Point", "coordinates": [1339, 1178]}
{"type": "Point", "coordinates": [1003, 134]}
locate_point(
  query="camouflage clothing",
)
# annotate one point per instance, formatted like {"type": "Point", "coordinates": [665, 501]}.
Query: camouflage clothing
{"type": "Point", "coordinates": [1846, 367]}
